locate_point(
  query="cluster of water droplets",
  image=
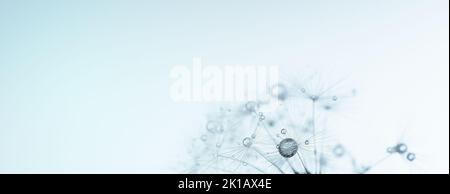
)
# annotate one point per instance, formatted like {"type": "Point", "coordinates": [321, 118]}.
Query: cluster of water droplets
{"type": "Point", "coordinates": [255, 137]}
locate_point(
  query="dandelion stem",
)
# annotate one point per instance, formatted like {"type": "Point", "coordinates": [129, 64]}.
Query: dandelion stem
{"type": "Point", "coordinates": [316, 164]}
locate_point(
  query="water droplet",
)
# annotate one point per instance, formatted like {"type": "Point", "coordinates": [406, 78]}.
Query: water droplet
{"type": "Point", "coordinates": [411, 156]}
{"type": "Point", "coordinates": [214, 127]}
{"type": "Point", "coordinates": [338, 151]}
{"type": "Point", "coordinates": [288, 147]}
{"type": "Point", "coordinates": [247, 142]}
{"type": "Point", "coordinates": [390, 150]}
{"type": "Point", "coordinates": [251, 106]}
{"type": "Point", "coordinates": [279, 91]}
{"type": "Point", "coordinates": [401, 148]}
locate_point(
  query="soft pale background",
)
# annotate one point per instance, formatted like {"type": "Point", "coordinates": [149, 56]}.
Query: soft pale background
{"type": "Point", "coordinates": [84, 84]}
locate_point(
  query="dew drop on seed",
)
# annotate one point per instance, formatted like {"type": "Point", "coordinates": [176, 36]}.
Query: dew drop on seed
{"type": "Point", "coordinates": [288, 147]}
{"type": "Point", "coordinates": [247, 142]}
{"type": "Point", "coordinates": [411, 156]}
{"type": "Point", "coordinates": [338, 151]}
{"type": "Point", "coordinates": [401, 148]}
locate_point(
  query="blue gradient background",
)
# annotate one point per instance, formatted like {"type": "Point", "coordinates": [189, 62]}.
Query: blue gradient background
{"type": "Point", "coordinates": [84, 85]}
